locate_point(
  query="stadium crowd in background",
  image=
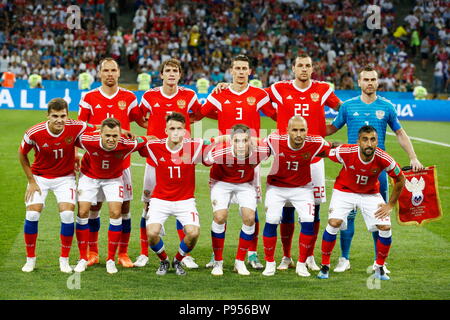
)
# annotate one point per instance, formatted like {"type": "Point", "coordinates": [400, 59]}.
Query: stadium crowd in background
{"type": "Point", "coordinates": [34, 38]}
{"type": "Point", "coordinates": [204, 35]}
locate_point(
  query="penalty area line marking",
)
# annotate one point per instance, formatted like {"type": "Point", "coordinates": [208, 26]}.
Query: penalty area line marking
{"type": "Point", "coordinates": [424, 140]}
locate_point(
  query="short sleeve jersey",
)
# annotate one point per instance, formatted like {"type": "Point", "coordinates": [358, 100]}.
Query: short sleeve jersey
{"type": "Point", "coordinates": [227, 167]}
{"type": "Point", "coordinates": [292, 167]}
{"type": "Point", "coordinates": [239, 108]}
{"type": "Point", "coordinates": [159, 105]}
{"type": "Point", "coordinates": [308, 103]}
{"type": "Point", "coordinates": [96, 106]}
{"type": "Point", "coordinates": [100, 163]}
{"type": "Point", "coordinates": [358, 176]}
{"type": "Point", "coordinates": [54, 154]}
{"type": "Point", "coordinates": [174, 169]}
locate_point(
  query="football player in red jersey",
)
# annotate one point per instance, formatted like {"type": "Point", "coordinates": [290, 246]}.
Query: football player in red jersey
{"type": "Point", "coordinates": [102, 171]}
{"type": "Point", "coordinates": [240, 103]}
{"type": "Point", "coordinates": [290, 181]}
{"type": "Point", "coordinates": [305, 97]}
{"type": "Point", "coordinates": [53, 169]}
{"type": "Point", "coordinates": [357, 186]}
{"type": "Point", "coordinates": [158, 103]}
{"type": "Point", "coordinates": [232, 174]}
{"type": "Point", "coordinates": [174, 159]}
{"type": "Point", "coordinates": [111, 101]}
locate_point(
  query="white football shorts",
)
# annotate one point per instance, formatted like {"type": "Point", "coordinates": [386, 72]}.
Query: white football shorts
{"type": "Point", "coordinates": [88, 188]}
{"type": "Point", "coordinates": [256, 183]}
{"type": "Point", "coordinates": [318, 180]}
{"type": "Point", "coordinates": [184, 211]}
{"type": "Point", "coordinates": [64, 188]}
{"type": "Point", "coordinates": [301, 198]}
{"type": "Point", "coordinates": [343, 202]}
{"type": "Point", "coordinates": [127, 188]}
{"type": "Point", "coordinates": [222, 192]}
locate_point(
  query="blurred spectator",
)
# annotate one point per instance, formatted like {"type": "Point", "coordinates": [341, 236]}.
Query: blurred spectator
{"type": "Point", "coordinates": [113, 8]}
{"type": "Point", "coordinates": [412, 20]}
{"type": "Point", "coordinates": [194, 40]}
{"type": "Point", "coordinates": [35, 81]}
{"type": "Point", "coordinates": [217, 76]}
{"type": "Point", "coordinates": [4, 63]}
{"type": "Point", "coordinates": [415, 42]}
{"type": "Point", "coordinates": [8, 79]}
{"type": "Point", "coordinates": [144, 79]}
{"type": "Point", "coordinates": [202, 84]}
{"type": "Point", "coordinates": [85, 81]}
{"type": "Point", "coordinates": [424, 52]}
{"type": "Point", "coordinates": [420, 92]}
{"type": "Point", "coordinates": [100, 7]}
{"type": "Point", "coordinates": [256, 83]}
{"type": "Point", "coordinates": [58, 72]}
{"type": "Point", "coordinates": [139, 21]}
{"type": "Point", "coordinates": [389, 83]}
{"type": "Point", "coordinates": [438, 78]}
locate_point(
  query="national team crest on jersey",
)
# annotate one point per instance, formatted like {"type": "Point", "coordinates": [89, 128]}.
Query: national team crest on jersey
{"type": "Point", "coordinates": [415, 186]}
{"type": "Point", "coordinates": [374, 170]}
{"type": "Point", "coordinates": [122, 104]}
{"type": "Point", "coordinates": [380, 114]}
{"type": "Point", "coordinates": [147, 193]}
{"type": "Point", "coordinates": [306, 155]}
{"type": "Point", "coordinates": [119, 155]}
{"type": "Point", "coordinates": [181, 103]}
{"type": "Point", "coordinates": [251, 100]}
{"type": "Point", "coordinates": [315, 96]}
{"type": "Point", "coordinates": [69, 140]}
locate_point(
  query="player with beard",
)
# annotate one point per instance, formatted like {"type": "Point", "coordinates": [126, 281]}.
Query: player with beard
{"type": "Point", "coordinates": [357, 186]}
{"type": "Point", "coordinates": [369, 109]}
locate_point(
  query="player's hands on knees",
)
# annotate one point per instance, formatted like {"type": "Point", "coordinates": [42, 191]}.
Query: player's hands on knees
{"type": "Point", "coordinates": [384, 210]}
{"type": "Point", "coordinates": [221, 86]}
{"type": "Point", "coordinates": [151, 137]}
{"type": "Point", "coordinates": [31, 189]}
{"type": "Point", "coordinates": [77, 164]}
{"type": "Point", "coordinates": [416, 165]}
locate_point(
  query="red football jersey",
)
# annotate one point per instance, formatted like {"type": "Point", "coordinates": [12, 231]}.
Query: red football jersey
{"type": "Point", "coordinates": [159, 105]}
{"type": "Point", "coordinates": [228, 168]}
{"type": "Point", "coordinates": [358, 176]}
{"type": "Point", "coordinates": [99, 163]}
{"type": "Point", "coordinates": [239, 107]}
{"type": "Point", "coordinates": [54, 154]}
{"type": "Point", "coordinates": [292, 167]}
{"type": "Point", "coordinates": [174, 170]}
{"type": "Point", "coordinates": [308, 103]}
{"type": "Point", "coordinates": [96, 106]}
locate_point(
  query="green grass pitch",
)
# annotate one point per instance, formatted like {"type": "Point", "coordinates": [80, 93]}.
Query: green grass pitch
{"type": "Point", "coordinates": [419, 258]}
